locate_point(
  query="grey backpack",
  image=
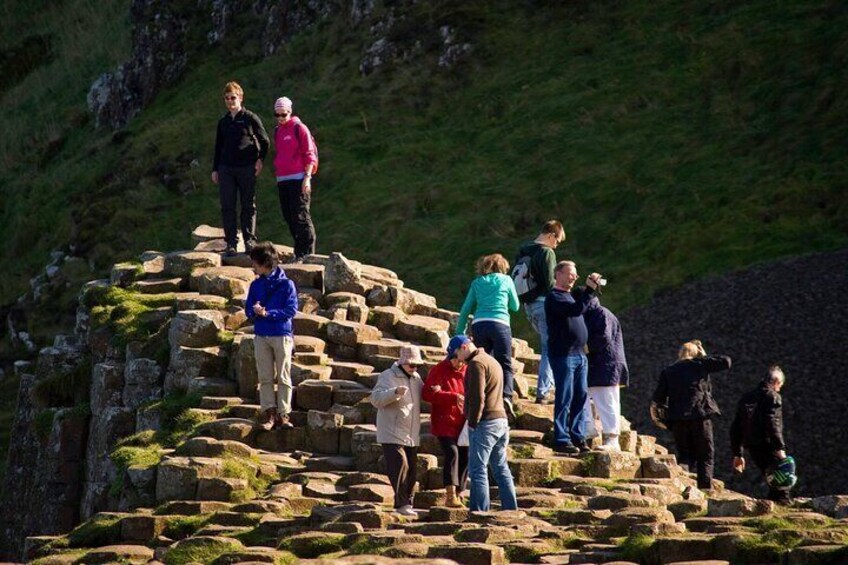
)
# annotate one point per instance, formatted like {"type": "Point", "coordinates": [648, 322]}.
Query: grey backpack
{"type": "Point", "coordinates": [523, 277]}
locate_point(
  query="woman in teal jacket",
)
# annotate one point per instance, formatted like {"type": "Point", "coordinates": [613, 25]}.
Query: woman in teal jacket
{"type": "Point", "coordinates": [490, 299]}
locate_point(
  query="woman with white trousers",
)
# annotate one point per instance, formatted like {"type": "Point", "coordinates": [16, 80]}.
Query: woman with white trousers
{"type": "Point", "coordinates": [608, 372]}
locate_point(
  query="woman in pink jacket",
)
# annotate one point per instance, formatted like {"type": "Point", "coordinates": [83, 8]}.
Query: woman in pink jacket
{"type": "Point", "coordinates": [295, 160]}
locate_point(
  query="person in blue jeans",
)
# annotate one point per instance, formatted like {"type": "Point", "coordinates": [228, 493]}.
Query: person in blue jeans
{"type": "Point", "coordinates": [490, 299]}
{"type": "Point", "coordinates": [567, 337]}
{"type": "Point", "coordinates": [542, 264]}
{"type": "Point", "coordinates": [488, 428]}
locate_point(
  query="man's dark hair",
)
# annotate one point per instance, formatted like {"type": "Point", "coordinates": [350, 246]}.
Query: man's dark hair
{"type": "Point", "coordinates": [264, 254]}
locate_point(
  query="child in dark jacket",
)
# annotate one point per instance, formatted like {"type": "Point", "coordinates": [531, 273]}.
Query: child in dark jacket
{"type": "Point", "coordinates": [686, 387]}
{"type": "Point", "coordinates": [271, 304]}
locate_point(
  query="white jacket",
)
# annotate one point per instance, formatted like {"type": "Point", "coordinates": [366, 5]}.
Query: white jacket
{"type": "Point", "coordinates": [398, 417]}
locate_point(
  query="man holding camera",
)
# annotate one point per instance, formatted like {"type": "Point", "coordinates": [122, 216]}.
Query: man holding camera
{"type": "Point", "coordinates": [567, 337]}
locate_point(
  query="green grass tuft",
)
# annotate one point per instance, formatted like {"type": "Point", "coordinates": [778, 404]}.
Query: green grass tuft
{"type": "Point", "coordinates": [239, 468]}
{"type": "Point", "coordinates": [761, 549]}
{"type": "Point", "coordinates": [125, 312]}
{"type": "Point", "coordinates": [66, 388]}
{"type": "Point", "coordinates": [100, 530]}
{"type": "Point", "coordinates": [43, 423]}
{"type": "Point", "coordinates": [256, 536]}
{"type": "Point", "coordinates": [225, 338]}
{"type": "Point", "coordinates": [181, 527]}
{"type": "Point", "coordinates": [522, 451]}
{"type": "Point", "coordinates": [206, 552]}
{"type": "Point", "coordinates": [636, 547]}
{"type": "Point", "coordinates": [145, 449]}
{"type": "Point", "coordinates": [316, 547]}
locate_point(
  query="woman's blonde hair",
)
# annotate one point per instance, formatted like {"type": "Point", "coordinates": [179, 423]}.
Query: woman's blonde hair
{"type": "Point", "coordinates": [691, 350]}
{"type": "Point", "coordinates": [494, 263]}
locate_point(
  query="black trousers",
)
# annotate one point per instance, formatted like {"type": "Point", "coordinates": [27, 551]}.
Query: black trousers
{"type": "Point", "coordinates": [238, 185]}
{"type": "Point", "coordinates": [401, 468]}
{"type": "Point", "coordinates": [764, 458]}
{"type": "Point", "coordinates": [695, 448]}
{"type": "Point", "coordinates": [295, 205]}
{"type": "Point", "coordinates": [496, 339]}
{"type": "Point", "coordinates": [455, 469]}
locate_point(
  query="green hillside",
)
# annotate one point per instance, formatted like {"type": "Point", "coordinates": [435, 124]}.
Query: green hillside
{"type": "Point", "coordinates": [674, 139]}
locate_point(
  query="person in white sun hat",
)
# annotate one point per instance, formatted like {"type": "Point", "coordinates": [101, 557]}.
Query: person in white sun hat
{"type": "Point", "coordinates": [397, 397]}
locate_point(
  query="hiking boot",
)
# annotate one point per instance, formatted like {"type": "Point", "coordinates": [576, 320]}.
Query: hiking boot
{"type": "Point", "coordinates": [406, 511]}
{"type": "Point", "coordinates": [545, 400]}
{"type": "Point", "coordinates": [230, 251]}
{"type": "Point", "coordinates": [283, 422]}
{"type": "Point", "coordinates": [451, 500]}
{"type": "Point", "coordinates": [566, 448]}
{"type": "Point", "coordinates": [268, 419]}
{"type": "Point", "coordinates": [510, 411]}
{"type": "Point", "coordinates": [582, 447]}
{"type": "Point", "coordinates": [249, 245]}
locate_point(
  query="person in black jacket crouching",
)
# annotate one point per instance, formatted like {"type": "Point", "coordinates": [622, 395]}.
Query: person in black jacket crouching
{"type": "Point", "coordinates": [758, 427]}
{"type": "Point", "coordinates": [686, 388]}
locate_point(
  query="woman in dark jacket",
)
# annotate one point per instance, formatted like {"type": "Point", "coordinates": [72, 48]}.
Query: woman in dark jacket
{"type": "Point", "coordinates": [444, 389]}
{"type": "Point", "coordinates": [607, 371]}
{"type": "Point", "coordinates": [686, 388]}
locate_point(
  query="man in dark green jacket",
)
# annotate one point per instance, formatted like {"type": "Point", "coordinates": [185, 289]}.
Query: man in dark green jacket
{"type": "Point", "coordinates": [542, 264]}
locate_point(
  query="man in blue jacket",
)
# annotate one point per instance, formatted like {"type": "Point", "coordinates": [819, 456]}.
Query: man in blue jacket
{"type": "Point", "coordinates": [271, 304]}
{"type": "Point", "coordinates": [567, 336]}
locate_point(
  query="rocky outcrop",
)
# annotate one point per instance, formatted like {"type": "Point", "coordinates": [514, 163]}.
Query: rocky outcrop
{"type": "Point", "coordinates": [227, 489]}
{"type": "Point", "coordinates": [42, 486]}
{"type": "Point", "coordinates": [166, 38]}
{"type": "Point", "coordinates": [159, 58]}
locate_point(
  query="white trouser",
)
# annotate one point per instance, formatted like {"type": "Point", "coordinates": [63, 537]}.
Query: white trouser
{"type": "Point", "coordinates": [273, 363]}
{"type": "Point", "coordinates": [607, 402]}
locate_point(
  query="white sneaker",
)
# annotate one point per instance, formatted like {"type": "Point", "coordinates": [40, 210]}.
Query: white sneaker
{"type": "Point", "coordinates": [611, 444]}
{"type": "Point", "coordinates": [407, 511]}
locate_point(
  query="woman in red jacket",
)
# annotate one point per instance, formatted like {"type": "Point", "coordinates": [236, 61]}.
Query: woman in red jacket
{"type": "Point", "coordinates": [444, 389]}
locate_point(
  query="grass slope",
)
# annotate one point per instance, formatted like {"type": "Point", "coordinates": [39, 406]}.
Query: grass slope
{"type": "Point", "coordinates": [674, 139]}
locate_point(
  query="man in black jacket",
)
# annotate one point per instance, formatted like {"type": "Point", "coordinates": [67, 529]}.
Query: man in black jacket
{"type": "Point", "coordinates": [241, 144]}
{"type": "Point", "coordinates": [758, 426]}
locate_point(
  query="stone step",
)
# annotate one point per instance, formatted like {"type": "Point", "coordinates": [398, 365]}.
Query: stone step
{"type": "Point", "coordinates": [308, 344]}
{"type": "Point", "coordinates": [211, 386]}
{"type": "Point", "coordinates": [330, 463]}
{"type": "Point", "coordinates": [234, 429]}
{"type": "Point", "coordinates": [706, 524]}
{"type": "Point", "coordinates": [219, 402]}
{"type": "Point", "coordinates": [245, 411]}
{"type": "Point", "coordinates": [158, 286]}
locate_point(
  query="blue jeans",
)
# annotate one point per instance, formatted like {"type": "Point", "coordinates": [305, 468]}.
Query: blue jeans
{"type": "Point", "coordinates": [570, 375]}
{"type": "Point", "coordinates": [536, 314]}
{"type": "Point", "coordinates": [496, 339]}
{"type": "Point", "coordinates": [487, 447]}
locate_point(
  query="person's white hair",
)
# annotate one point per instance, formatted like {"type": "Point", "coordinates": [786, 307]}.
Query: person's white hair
{"type": "Point", "coordinates": [776, 374]}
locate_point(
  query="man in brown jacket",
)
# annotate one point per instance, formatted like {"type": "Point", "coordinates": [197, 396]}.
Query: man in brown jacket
{"type": "Point", "coordinates": [488, 429]}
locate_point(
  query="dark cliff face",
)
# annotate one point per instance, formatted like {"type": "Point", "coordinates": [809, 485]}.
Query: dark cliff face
{"type": "Point", "coordinates": [792, 313]}
{"type": "Point", "coordinates": [167, 37]}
